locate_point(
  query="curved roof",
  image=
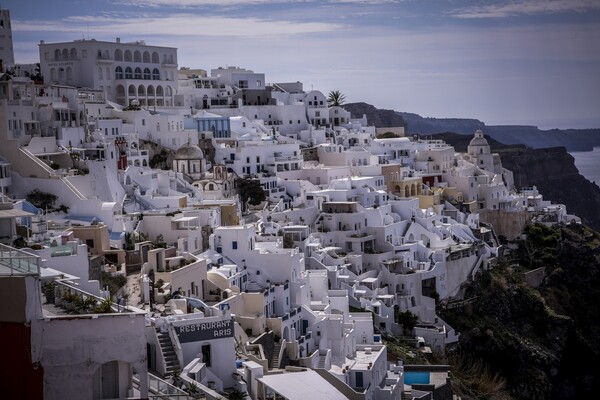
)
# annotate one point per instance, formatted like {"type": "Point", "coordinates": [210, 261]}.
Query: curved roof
{"type": "Point", "coordinates": [479, 140]}
{"type": "Point", "coordinates": [189, 152]}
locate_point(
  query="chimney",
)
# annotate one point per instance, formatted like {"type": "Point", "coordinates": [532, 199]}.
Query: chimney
{"type": "Point", "coordinates": [118, 40]}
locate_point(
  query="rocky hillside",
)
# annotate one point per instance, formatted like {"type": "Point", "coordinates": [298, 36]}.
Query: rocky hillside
{"type": "Point", "coordinates": [378, 117]}
{"type": "Point", "coordinates": [544, 342]}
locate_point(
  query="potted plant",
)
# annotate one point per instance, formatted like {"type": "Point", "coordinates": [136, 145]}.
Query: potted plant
{"type": "Point", "coordinates": [177, 381]}
{"type": "Point", "coordinates": [49, 291]}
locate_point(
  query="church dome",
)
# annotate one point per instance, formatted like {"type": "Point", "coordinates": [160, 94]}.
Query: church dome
{"type": "Point", "coordinates": [479, 139]}
{"type": "Point", "coordinates": [189, 152]}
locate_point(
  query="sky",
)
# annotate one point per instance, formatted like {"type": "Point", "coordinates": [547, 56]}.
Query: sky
{"type": "Point", "coordinates": [533, 62]}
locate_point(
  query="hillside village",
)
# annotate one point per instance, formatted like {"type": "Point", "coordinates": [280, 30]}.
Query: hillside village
{"type": "Point", "coordinates": [185, 232]}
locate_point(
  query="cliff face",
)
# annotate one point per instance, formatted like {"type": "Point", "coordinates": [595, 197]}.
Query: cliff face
{"type": "Point", "coordinates": [543, 341]}
{"type": "Point", "coordinates": [379, 118]}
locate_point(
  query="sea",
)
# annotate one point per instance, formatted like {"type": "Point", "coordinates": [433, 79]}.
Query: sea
{"type": "Point", "coordinates": [588, 164]}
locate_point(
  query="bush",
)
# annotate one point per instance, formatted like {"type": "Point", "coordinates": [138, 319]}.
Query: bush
{"type": "Point", "coordinates": [41, 199]}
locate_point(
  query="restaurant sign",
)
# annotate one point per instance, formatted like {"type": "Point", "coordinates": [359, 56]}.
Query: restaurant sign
{"type": "Point", "coordinates": [204, 331]}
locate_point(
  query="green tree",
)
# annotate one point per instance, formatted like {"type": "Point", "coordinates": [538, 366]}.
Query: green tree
{"type": "Point", "coordinates": [407, 319]}
{"type": "Point", "coordinates": [335, 98]}
{"type": "Point", "coordinates": [41, 199]}
{"type": "Point", "coordinates": [250, 191]}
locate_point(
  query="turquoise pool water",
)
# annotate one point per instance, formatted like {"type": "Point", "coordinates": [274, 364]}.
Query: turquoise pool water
{"type": "Point", "coordinates": [416, 378]}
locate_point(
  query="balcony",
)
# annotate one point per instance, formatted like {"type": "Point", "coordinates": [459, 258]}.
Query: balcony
{"type": "Point", "coordinates": [17, 262]}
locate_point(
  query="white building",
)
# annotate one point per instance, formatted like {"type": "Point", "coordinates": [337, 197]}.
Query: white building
{"type": "Point", "coordinates": [123, 71]}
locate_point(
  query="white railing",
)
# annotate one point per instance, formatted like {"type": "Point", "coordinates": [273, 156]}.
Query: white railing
{"type": "Point", "coordinates": [74, 189]}
{"type": "Point", "coordinates": [39, 162]}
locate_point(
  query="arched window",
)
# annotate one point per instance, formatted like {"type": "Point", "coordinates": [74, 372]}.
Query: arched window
{"type": "Point", "coordinates": [138, 73]}
{"type": "Point", "coordinates": [65, 54]}
{"type": "Point", "coordinates": [141, 91]}
{"type": "Point", "coordinates": [118, 73]}
{"type": "Point", "coordinates": [159, 91]}
{"type": "Point", "coordinates": [131, 90]}
{"type": "Point", "coordinates": [73, 54]}
{"type": "Point", "coordinates": [146, 57]}
{"type": "Point", "coordinates": [57, 54]}
{"type": "Point", "coordinates": [137, 56]}
{"type": "Point", "coordinates": [118, 55]}
{"type": "Point", "coordinates": [52, 74]}
{"type": "Point", "coordinates": [155, 74]}
{"type": "Point", "coordinates": [168, 91]}
{"type": "Point", "coordinates": [61, 74]}
{"type": "Point", "coordinates": [147, 75]}
{"type": "Point", "coordinates": [128, 56]}
{"type": "Point", "coordinates": [150, 91]}
{"type": "Point", "coordinates": [155, 58]}
{"type": "Point", "coordinates": [128, 73]}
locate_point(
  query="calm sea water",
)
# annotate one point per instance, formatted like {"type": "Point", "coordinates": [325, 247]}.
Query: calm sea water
{"type": "Point", "coordinates": [588, 164]}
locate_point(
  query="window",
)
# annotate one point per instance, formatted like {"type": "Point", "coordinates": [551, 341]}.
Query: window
{"type": "Point", "coordinates": [234, 245]}
{"type": "Point", "coordinates": [89, 243]}
{"type": "Point", "coordinates": [118, 73]}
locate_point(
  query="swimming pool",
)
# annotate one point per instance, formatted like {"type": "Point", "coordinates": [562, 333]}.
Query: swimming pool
{"type": "Point", "coordinates": [416, 378]}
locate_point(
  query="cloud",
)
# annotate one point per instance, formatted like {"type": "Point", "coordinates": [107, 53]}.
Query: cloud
{"type": "Point", "coordinates": [194, 3]}
{"type": "Point", "coordinates": [152, 25]}
{"type": "Point", "coordinates": [228, 3]}
{"type": "Point", "coordinates": [526, 7]}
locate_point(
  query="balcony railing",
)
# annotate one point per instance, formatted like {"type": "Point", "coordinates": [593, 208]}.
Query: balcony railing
{"type": "Point", "coordinates": [18, 262]}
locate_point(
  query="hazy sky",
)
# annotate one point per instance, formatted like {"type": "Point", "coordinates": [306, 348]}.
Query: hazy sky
{"type": "Point", "coordinates": [504, 62]}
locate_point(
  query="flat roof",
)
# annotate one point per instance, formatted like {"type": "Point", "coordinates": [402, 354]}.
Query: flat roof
{"type": "Point", "coordinates": [14, 213]}
{"type": "Point", "coordinates": [302, 385]}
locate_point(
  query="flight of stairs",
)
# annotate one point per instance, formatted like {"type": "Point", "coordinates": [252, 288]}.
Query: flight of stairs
{"type": "Point", "coordinates": [274, 361]}
{"type": "Point", "coordinates": [322, 361]}
{"type": "Point", "coordinates": [166, 346]}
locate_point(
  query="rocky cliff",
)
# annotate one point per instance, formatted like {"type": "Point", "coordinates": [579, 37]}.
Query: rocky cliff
{"type": "Point", "coordinates": [542, 342]}
{"type": "Point", "coordinates": [375, 116]}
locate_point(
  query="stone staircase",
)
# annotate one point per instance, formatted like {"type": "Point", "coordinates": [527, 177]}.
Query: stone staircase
{"type": "Point", "coordinates": [274, 361]}
{"type": "Point", "coordinates": [168, 351]}
{"type": "Point", "coordinates": [322, 358]}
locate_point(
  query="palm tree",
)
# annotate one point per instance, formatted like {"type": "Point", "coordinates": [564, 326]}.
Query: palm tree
{"type": "Point", "coordinates": [335, 98]}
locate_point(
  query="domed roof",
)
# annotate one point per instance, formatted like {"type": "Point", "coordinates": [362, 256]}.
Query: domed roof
{"type": "Point", "coordinates": [479, 140]}
{"type": "Point", "coordinates": [189, 152]}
